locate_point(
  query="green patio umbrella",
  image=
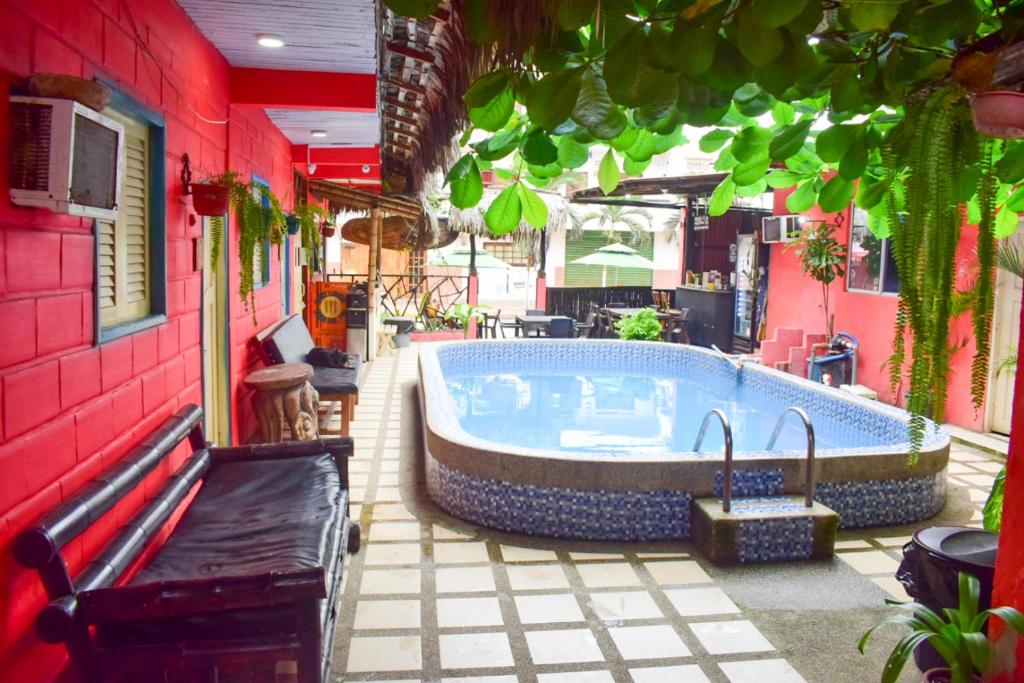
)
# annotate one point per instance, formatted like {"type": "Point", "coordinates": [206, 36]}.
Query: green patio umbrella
{"type": "Point", "coordinates": [615, 255]}
{"type": "Point", "coordinates": [459, 258]}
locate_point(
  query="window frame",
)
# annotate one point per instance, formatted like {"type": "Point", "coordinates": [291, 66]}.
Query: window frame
{"type": "Point", "coordinates": [157, 196]}
{"type": "Point", "coordinates": [508, 245]}
{"type": "Point", "coordinates": [882, 266]}
{"type": "Point", "coordinates": [264, 254]}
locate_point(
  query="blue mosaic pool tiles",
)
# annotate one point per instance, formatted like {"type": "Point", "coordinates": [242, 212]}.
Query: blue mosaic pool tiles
{"type": "Point", "coordinates": [560, 512]}
{"type": "Point", "coordinates": [884, 502]}
{"type": "Point", "coordinates": [769, 540]}
{"type": "Point", "coordinates": [752, 482]}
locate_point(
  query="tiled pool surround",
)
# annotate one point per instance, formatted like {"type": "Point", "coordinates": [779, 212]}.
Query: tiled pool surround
{"type": "Point", "coordinates": [646, 496]}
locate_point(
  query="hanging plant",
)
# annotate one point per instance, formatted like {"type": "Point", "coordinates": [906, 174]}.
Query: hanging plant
{"type": "Point", "coordinates": [257, 225]}
{"type": "Point", "coordinates": [310, 217]}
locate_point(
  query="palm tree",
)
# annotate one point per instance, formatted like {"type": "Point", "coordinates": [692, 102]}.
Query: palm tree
{"type": "Point", "coordinates": [612, 219]}
{"type": "Point", "coordinates": [1011, 259]}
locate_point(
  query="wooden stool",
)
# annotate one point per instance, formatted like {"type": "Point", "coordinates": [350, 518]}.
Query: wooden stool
{"type": "Point", "coordinates": [283, 395]}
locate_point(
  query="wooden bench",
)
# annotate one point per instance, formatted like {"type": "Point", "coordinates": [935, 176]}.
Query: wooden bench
{"type": "Point", "coordinates": [249, 576]}
{"type": "Point", "coordinates": [288, 341]}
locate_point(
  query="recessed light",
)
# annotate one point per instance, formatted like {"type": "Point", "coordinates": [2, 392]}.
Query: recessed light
{"type": "Point", "coordinates": [269, 40]}
{"type": "Point", "coordinates": [318, 133]}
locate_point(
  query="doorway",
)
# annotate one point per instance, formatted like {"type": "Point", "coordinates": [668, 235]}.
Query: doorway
{"type": "Point", "coordinates": [1005, 336]}
{"type": "Point", "coordinates": [216, 411]}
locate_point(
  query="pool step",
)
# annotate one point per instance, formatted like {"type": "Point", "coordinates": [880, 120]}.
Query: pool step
{"type": "Point", "coordinates": [764, 529]}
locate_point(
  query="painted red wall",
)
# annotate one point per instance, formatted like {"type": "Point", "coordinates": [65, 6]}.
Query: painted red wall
{"type": "Point", "coordinates": [71, 408]}
{"type": "Point", "coordinates": [794, 300]}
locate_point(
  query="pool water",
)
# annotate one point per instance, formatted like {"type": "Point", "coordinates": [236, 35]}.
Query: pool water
{"type": "Point", "coordinates": [629, 413]}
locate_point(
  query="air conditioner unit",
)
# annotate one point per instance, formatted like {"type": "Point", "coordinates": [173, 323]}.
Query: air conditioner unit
{"type": "Point", "coordinates": [65, 157]}
{"type": "Point", "coordinates": [780, 229]}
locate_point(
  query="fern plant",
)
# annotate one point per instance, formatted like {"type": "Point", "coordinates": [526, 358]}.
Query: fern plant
{"type": "Point", "coordinates": [309, 216]}
{"type": "Point", "coordinates": [257, 225]}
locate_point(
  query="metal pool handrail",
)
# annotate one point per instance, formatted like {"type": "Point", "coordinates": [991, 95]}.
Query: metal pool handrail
{"type": "Point", "coordinates": [809, 428]}
{"type": "Point", "coordinates": [727, 471]}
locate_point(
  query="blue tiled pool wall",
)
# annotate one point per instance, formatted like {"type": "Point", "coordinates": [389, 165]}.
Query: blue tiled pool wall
{"type": "Point", "coordinates": [752, 482]}
{"type": "Point", "coordinates": [881, 422]}
{"type": "Point", "coordinates": [660, 515]}
{"type": "Point", "coordinates": [769, 540]}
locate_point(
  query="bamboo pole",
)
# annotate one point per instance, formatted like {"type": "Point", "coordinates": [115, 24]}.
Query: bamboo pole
{"type": "Point", "coordinates": [373, 265]}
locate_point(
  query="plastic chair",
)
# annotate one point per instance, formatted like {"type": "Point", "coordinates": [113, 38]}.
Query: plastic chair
{"type": "Point", "coordinates": [562, 328]}
{"type": "Point", "coordinates": [490, 325]}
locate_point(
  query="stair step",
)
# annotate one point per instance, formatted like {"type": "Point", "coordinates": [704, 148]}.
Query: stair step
{"type": "Point", "coordinates": [763, 529]}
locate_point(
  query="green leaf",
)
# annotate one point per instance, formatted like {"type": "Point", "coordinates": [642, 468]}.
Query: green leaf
{"type": "Point", "coordinates": [468, 189]}
{"type": "Point", "coordinates": [415, 9]}
{"type": "Point", "coordinates": [751, 143]}
{"type": "Point", "coordinates": [608, 173]}
{"type": "Point", "coordinates": [748, 173]}
{"type": "Point", "coordinates": [631, 80]}
{"type": "Point", "coordinates": [759, 45]}
{"type": "Point", "coordinates": [780, 178]}
{"type": "Point", "coordinates": [845, 91]}
{"type": "Point", "coordinates": [551, 170]}
{"type": "Point", "coordinates": [634, 168]}
{"type": "Point", "coordinates": [714, 140]}
{"type": "Point", "coordinates": [460, 169]}
{"type": "Point", "coordinates": [552, 99]}
{"type": "Point", "coordinates": [751, 100]}
{"type": "Point", "coordinates": [642, 148]}
{"type": "Point", "coordinates": [783, 113]}
{"type": "Point", "coordinates": [789, 140]}
{"type": "Point", "coordinates": [487, 87]}
{"type": "Point", "coordinates": [624, 139]}
{"type": "Point", "coordinates": [663, 143]}
{"type": "Point", "coordinates": [1010, 167]}
{"type": "Point", "coordinates": [595, 110]}
{"type": "Point", "coordinates": [498, 146]}
{"type": "Point", "coordinates": [835, 195]}
{"type": "Point", "coordinates": [855, 160]}
{"type": "Point", "coordinates": [1006, 223]}
{"type": "Point", "coordinates": [571, 154]}
{"type": "Point", "coordinates": [694, 47]}
{"type": "Point", "coordinates": [873, 15]}
{"type": "Point", "coordinates": [803, 198]}
{"type": "Point", "coordinates": [505, 212]}
{"type": "Point", "coordinates": [538, 149]}
{"type": "Point", "coordinates": [574, 13]}
{"type": "Point", "coordinates": [495, 114]}
{"type": "Point", "coordinates": [1015, 202]}
{"type": "Point", "coordinates": [752, 190]}
{"type": "Point", "coordinates": [833, 142]}
{"type": "Point", "coordinates": [535, 211]}
{"type": "Point", "coordinates": [871, 192]}
{"type": "Point", "coordinates": [721, 198]}
{"type": "Point", "coordinates": [777, 12]}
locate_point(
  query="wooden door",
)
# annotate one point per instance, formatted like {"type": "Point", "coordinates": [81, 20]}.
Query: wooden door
{"type": "Point", "coordinates": [1005, 336]}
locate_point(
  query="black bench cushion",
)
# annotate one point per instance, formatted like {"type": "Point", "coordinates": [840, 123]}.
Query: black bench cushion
{"type": "Point", "coordinates": [250, 518]}
{"type": "Point", "coordinates": [290, 342]}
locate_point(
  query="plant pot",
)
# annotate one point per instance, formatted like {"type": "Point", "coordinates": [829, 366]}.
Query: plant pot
{"type": "Point", "coordinates": [999, 114]}
{"type": "Point", "coordinates": [294, 224]}
{"type": "Point", "coordinates": [327, 230]}
{"type": "Point", "coordinates": [210, 200]}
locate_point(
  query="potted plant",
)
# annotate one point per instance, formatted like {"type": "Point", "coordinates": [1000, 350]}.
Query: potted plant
{"type": "Point", "coordinates": [643, 324]}
{"type": "Point", "coordinates": [294, 223]}
{"type": "Point", "coordinates": [327, 229]}
{"type": "Point", "coordinates": [212, 196]}
{"type": "Point", "coordinates": [998, 113]}
{"type": "Point", "coordinates": [823, 258]}
{"type": "Point", "coordinates": [465, 314]}
{"type": "Point", "coordinates": [957, 636]}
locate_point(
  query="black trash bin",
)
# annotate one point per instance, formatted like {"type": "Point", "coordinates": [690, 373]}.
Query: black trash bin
{"type": "Point", "coordinates": [930, 568]}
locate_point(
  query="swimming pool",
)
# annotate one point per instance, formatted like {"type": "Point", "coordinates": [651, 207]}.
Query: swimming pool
{"type": "Point", "coordinates": [593, 439]}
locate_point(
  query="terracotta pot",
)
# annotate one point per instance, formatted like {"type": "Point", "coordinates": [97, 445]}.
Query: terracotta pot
{"type": "Point", "coordinates": [210, 200]}
{"type": "Point", "coordinates": [90, 93]}
{"type": "Point", "coordinates": [999, 114]}
{"type": "Point", "coordinates": [294, 224]}
{"type": "Point", "coordinates": [327, 230]}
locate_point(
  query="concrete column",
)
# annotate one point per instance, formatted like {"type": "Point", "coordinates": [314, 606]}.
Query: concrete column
{"type": "Point", "coordinates": [372, 268]}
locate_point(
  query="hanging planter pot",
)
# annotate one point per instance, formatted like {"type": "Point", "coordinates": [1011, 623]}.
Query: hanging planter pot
{"type": "Point", "coordinates": [294, 224]}
{"type": "Point", "coordinates": [999, 114]}
{"type": "Point", "coordinates": [326, 229]}
{"type": "Point", "coordinates": [210, 200]}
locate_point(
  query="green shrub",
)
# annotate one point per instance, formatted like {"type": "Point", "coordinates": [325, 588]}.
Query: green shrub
{"type": "Point", "coordinates": [643, 325]}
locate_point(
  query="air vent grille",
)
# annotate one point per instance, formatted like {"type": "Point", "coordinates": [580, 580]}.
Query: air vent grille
{"type": "Point", "coordinates": [31, 126]}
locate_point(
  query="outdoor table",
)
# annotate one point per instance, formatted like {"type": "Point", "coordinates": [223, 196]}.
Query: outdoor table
{"type": "Point", "coordinates": [536, 322]}
{"type": "Point", "coordinates": [283, 395]}
{"type": "Point", "coordinates": [620, 312]}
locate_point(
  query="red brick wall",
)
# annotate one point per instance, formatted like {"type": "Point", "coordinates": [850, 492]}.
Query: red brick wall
{"type": "Point", "coordinates": [71, 408]}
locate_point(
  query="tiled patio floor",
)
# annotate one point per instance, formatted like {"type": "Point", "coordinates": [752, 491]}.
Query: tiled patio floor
{"type": "Point", "coordinates": [435, 599]}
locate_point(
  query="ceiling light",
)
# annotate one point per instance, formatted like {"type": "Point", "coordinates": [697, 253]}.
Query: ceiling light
{"type": "Point", "coordinates": [318, 133]}
{"type": "Point", "coordinates": [311, 168]}
{"type": "Point", "coordinates": [366, 168]}
{"type": "Point", "coordinates": [269, 40]}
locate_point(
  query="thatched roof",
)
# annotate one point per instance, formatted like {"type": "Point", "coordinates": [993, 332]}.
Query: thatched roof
{"type": "Point", "coordinates": [427, 65]}
{"type": "Point", "coordinates": [471, 221]}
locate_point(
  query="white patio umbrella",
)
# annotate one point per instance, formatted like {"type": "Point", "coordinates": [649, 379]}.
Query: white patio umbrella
{"type": "Point", "coordinates": [459, 258]}
{"type": "Point", "coordinates": [615, 255]}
